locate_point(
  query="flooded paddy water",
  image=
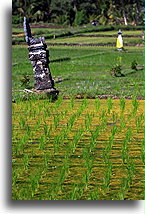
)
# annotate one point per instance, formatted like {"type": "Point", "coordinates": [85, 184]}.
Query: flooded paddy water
{"type": "Point", "coordinates": [78, 149]}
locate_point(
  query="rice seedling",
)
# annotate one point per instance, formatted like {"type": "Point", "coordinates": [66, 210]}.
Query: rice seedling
{"type": "Point", "coordinates": [110, 104]}
{"type": "Point", "coordinates": [86, 179]}
{"type": "Point", "coordinates": [103, 120]}
{"type": "Point", "coordinates": [114, 131]}
{"type": "Point", "coordinates": [111, 140]}
{"type": "Point", "coordinates": [86, 154]}
{"type": "Point", "coordinates": [102, 115]}
{"type": "Point", "coordinates": [124, 155]}
{"type": "Point", "coordinates": [45, 129]}
{"type": "Point", "coordinates": [80, 190]}
{"type": "Point", "coordinates": [79, 112]}
{"type": "Point", "coordinates": [139, 122]}
{"type": "Point", "coordinates": [64, 135]}
{"type": "Point", "coordinates": [95, 134]}
{"type": "Point", "coordinates": [72, 102]}
{"type": "Point", "coordinates": [49, 193]}
{"type": "Point", "coordinates": [124, 187]}
{"type": "Point", "coordinates": [35, 183]}
{"type": "Point", "coordinates": [89, 166]}
{"type": "Point", "coordinates": [122, 123]}
{"type": "Point", "coordinates": [15, 176]}
{"type": "Point", "coordinates": [55, 189]}
{"type": "Point", "coordinates": [108, 148]}
{"type": "Point", "coordinates": [115, 117]}
{"type": "Point", "coordinates": [106, 153]}
{"type": "Point", "coordinates": [56, 143]}
{"type": "Point", "coordinates": [88, 160]}
{"type": "Point", "coordinates": [84, 103]}
{"type": "Point", "coordinates": [73, 192]}
{"type": "Point", "coordinates": [58, 102]}
{"type": "Point", "coordinates": [66, 163]}
{"type": "Point", "coordinates": [49, 132]}
{"type": "Point", "coordinates": [76, 139]}
{"type": "Point", "coordinates": [21, 194]}
{"type": "Point", "coordinates": [122, 104]}
{"type": "Point", "coordinates": [40, 108]}
{"type": "Point", "coordinates": [28, 130]}
{"type": "Point", "coordinates": [88, 120]}
{"type": "Point", "coordinates": [143, 153]}
{"type": "Point", "coordinates": [47, 112]}
{"type": "Point", "coordinates": [81, 108]}
{"type": "Point", "coordinates": [61, 177]}
{"type": "Point", "coordinates": [92, 145]}
{"type": "Point", "coordinates": [128, 134]}
{"type": "Point", "coordinates": [56, 119]}
{"type": "Point", "coordinates": [131, 169]}
{"type": "Point", "coordinates": [42, 142]}
{"type": "Point", "coordinates": [38, 124]}
{"type": "Point", "coordinates": [94, 194]}
{"type": "Point", "coordinates": [108, 175]}
{"type": "Point", "coordinates": [34, 112]}
{"type": "Point", "coordinates": [46, 161]}
{"type": "Point", "coordinates": [22, 143]}
{"type": "Point", "coordinates": [25, 160]}
{"type": "Point", "coordinates": [65, 113]}
{"type": "Point", "coordinates": [130, 174]}
{"type": "Point", "coordinates": [125, 145]}
{"type": "Point", "coordinates": [135, 104]}
{"type": "Point", "coordinates": [22, 122]}
{"type": "Point", "coordinates": [71, 121]}
{"type": "Point", "coordinates": [97, 104]}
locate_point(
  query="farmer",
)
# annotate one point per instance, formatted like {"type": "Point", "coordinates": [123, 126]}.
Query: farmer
{"type": "Point", "coordinates": [119, 43]}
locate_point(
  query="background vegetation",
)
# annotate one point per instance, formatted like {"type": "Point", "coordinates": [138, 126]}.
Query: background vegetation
{"type": "Point", "coordinates": [78, 12]}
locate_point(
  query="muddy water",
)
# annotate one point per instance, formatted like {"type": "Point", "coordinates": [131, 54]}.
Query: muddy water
{"type": "Point", "coordinates": [98, 157]}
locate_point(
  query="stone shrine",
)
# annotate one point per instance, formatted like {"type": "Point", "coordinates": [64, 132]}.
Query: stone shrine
{"type": "Point", "coordinates": [39, 57]}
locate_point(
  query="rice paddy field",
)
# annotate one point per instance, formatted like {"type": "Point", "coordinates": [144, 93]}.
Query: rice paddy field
{"type": "Point", "coordinates": [80, 147]}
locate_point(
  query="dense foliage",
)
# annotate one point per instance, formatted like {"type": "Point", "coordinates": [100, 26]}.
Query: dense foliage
{"type": "Point", "coordinates": [78, 12]}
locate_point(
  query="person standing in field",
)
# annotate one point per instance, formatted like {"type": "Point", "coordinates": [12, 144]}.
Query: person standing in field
{"type": "Point", "coordinates": [119, 43]}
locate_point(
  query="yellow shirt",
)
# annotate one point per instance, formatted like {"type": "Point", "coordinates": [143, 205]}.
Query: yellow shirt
{"type": "Point", "coordinates": [119, 43]}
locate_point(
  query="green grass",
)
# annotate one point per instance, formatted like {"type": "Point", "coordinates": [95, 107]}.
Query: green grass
{"type": "Point", "coordinates": [114, 32]}
{"type": "Point", "coordinates": [66, 31]}
{"type": "Point", "coordinates": [94, 40]}
{"type": "Point", "coordinates": [85, 70]}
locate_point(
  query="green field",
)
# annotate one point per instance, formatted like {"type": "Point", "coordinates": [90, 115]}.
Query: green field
{"type": "Point", "coordinates": [95, 40]}
{"type": "Point", "coordinates": [85, 70]}
{"type": "Point", "coordinates": [114, 32]}
{"type": "Point", "coordinates": [64, 32]}
{"type": "Point", "coordinates": [80, 149]}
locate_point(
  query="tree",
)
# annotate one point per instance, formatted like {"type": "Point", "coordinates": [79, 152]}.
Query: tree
{"type": "Point", "coordinates": [68, 11]}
